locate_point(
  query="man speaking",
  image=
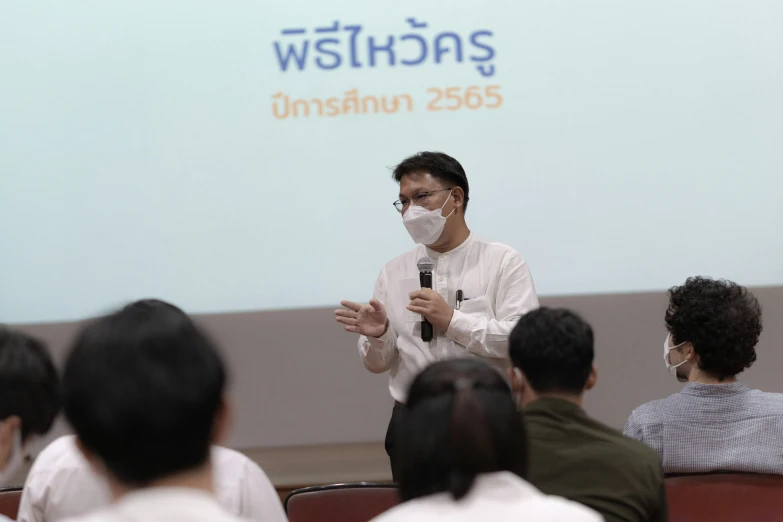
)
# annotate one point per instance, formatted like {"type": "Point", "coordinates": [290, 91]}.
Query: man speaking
{"type": "Point", "coordinates": [479, 288]}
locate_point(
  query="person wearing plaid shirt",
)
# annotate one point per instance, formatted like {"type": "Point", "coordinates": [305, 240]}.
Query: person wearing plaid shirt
{"type": "Point", "coordinates": [716, 423]}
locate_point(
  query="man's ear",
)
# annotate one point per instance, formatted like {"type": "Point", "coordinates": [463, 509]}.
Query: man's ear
{"type": "Point", "coordinates": [459, 197]}
{"type": "Point", "coordinates": [592, 378]}
{"type": "Point", "coordinates": [688, 352]}
{"type": "Point", "coordinates": [516, 383]}
{"type": "Point", "coordinates": [522, 386]}
{"type": "Point", "coordinates": [223, 421]}
{"type": "Point", "coordinates": [8, 427]}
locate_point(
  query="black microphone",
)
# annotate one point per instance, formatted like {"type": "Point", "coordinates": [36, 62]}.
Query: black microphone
{"type": "Point", "coordinates": [426, 265]}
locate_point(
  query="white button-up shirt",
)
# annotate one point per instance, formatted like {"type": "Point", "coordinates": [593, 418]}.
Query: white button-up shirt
{"type": "Point", "coordinates": [498, 497]}
{"type": "Point", "coordinates": [497, 289]}
{"type": "Point", "coordinates": [61, 484]}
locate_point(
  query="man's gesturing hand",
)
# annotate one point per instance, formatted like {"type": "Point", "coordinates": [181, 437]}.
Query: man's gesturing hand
{"type": "Point", "coordinates": [431, 305]}
{"type": "Point", "coordinates": [364, 319]}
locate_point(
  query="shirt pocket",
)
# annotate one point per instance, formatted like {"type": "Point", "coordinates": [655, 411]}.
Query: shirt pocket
{"type": "Point", "coordinates": [477, 306]}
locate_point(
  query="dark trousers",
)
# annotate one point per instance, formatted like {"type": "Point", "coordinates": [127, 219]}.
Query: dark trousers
{"type": "Point", "coordinates": [391, 439]}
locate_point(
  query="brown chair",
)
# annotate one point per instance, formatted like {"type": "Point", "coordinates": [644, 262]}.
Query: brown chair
{"type": "Point", "coordinates": [357, 502]}
{"type": "Point", "coordinates": [725, 497]}
{"type": "Point", "coordinates": [9, 501]}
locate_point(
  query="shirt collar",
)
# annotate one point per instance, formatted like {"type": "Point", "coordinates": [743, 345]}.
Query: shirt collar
{"type": "Point", "coordinates": [698, 389]}
{"type": "Point", "coordinates": [504, 482]}
{"type": "Point", "coordinates": [499, 485]}
{"type": "Point", "coordinates": [553, 406]}
{"type": "Point", "coordinates": [454, 251]}
{"type": "Point", "coordinates": [168, 495]}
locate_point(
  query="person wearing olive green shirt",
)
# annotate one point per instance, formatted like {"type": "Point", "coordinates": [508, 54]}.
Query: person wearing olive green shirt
{"type": "Point", "coordinates": [572, 455]}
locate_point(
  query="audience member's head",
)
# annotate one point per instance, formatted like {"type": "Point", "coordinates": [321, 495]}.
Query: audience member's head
{"type": "Point", "coordinates": [552, 355]}
{"type": "Point", "coordinates": [460, 421]}
{"type": "Point", "coordinates": [714, 326]}
{"type": "Point", "coordinates": [29, 397]}
{"type": "Point", "coordinates": [144, 390]}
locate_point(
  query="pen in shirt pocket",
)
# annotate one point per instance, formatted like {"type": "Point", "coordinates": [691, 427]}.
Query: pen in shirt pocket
{"type": "Point", "coordinates": [461, 297]}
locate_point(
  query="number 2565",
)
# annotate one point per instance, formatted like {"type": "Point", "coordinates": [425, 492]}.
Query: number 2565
{"type": "Point", "coordinates": [474, 97]}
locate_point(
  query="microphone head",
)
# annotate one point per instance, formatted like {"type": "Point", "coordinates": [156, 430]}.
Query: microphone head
{"type": "Point", "coordinates": [425, 264]}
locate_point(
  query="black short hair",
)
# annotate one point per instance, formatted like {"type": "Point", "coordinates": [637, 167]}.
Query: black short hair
{"type": "Point", "coordinates": [554, 350]}
{"type": "Point", "coordinates": [721, 319]}
{"type": "Point", "coordinates": [142, 389]}
{"type": "Point", "coordinates": [440, 166]}
{"type": "Point", "coordinates": [29, 383]}
{"type": "Point", "coordinates": [460, 420]}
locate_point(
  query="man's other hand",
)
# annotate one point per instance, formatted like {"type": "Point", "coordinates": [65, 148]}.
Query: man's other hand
{"type": "Point", "coordinates": [365, 319]}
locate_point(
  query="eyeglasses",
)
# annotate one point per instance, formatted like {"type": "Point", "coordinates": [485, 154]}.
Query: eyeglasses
{"type": "Point", "coordinates": [420, 200]}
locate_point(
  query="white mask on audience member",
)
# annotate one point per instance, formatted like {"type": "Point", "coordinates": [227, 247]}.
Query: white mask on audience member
{"type": "Point", "coordinates": [669, 366]}
{"type": "Point", "coordinates": [425, 226]}
{"type": "Point", "coordinates": [15, 460]}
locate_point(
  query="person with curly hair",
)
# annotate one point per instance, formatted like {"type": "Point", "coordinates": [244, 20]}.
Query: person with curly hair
{"type": "Point", "coordinates": [716, 423]}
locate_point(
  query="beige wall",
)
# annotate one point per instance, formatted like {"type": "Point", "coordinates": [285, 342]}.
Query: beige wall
{"type": "Point", "coordinates": [298, 380]}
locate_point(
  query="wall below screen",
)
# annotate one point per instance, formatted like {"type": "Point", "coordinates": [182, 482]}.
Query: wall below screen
{"type": "Point", "coordinates": [306, 408]}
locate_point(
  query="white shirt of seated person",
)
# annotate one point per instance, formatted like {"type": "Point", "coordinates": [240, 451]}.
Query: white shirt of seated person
{"type": "Point", "coordinates": [497, 497]}
{"type": "Point", "coordinates": [61, 485]}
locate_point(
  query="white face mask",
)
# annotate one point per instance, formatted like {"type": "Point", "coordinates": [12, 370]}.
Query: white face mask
{"type": "Point", "coordinates": [15, 460]}
{"type": "Point", "coordinates": [425, 226]}
{"type": "Point", "coordinates": [669, 366]}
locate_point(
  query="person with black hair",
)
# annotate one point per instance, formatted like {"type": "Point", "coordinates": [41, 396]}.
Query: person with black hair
{"type": "Point", "coordinates": [716, 422]}
{"type": "Point", "coordinates": [143, 388]}
{"type": "Point", "coordinates": [572, 455]}
{"type": "Point", "coordinates": [61, 484]}
{"type": "Point", "coordinates": [29, 397]}
{"type": "Point", "coordinates": [463, 452]}
{"type": "Point", "coordinates": [479, 288]}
